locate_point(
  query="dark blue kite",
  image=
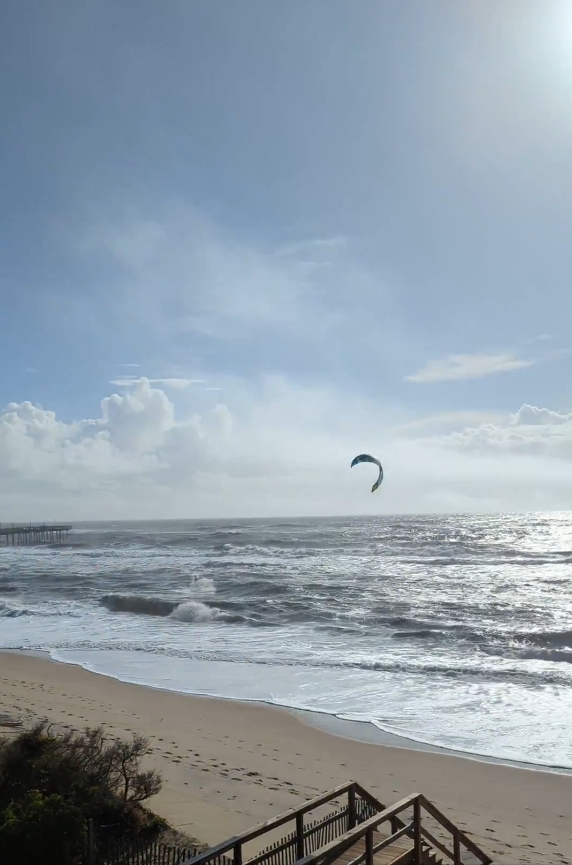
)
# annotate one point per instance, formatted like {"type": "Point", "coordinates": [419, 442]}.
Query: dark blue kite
{"type": "Point", "coordinates": [366, 458]}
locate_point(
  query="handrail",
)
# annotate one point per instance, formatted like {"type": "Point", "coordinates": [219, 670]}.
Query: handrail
{"type": "Point", "coordinates": [434, 842]}
{"type": "Point", "coordinates": [349, 839]}
{"type": "Point", "coordinates": [332, 851]}
{"type": "Point", "coordinates": [237, 841]}
{"type": "Point", "coordinates": [458, 834]}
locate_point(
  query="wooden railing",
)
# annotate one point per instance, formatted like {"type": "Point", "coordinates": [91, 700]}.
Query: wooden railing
{"type": "Point", "coordinates": [413, 829]}
{"type": "Point", "coordinates": [302, 841]}
{"type": "Point", "coordinates": [328, 838]}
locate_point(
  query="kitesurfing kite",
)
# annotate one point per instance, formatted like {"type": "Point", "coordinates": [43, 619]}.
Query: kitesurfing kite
{"type": "Point", "coordinates": [366, 458]}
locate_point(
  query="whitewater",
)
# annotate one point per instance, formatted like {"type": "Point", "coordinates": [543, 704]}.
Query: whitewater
{"type": "Point", "coordinates": [454, 631]}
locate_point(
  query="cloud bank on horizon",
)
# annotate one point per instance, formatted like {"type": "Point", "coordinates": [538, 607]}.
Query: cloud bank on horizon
{"type": "Point", "coordinates": [246, 244]}
{"type": "Point", "coordinates": [279, 451]}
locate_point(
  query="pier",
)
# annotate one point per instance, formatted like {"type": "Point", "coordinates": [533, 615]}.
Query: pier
{"type": "Point", "coordinates": [23, 536]}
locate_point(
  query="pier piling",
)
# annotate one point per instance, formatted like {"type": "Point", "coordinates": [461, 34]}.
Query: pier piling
{"type": "Point", "coordinates": [19, 536]}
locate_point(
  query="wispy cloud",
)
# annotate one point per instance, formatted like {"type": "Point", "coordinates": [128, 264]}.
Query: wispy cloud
{"type": "Point", "coordinates": [178, 267]}
{"type": "Point", "coordinates": [174, 271]}
{"type": "Point", "coordinates": [446, 422]}
{"type": "Point", "coordinates": [460, 367]}
{"type": "Point", "coordinates": [169, 383]}
{"type": "Point", "coordinates": [176, 383]}
{"type": "Point", "coordinates": [318, 250]}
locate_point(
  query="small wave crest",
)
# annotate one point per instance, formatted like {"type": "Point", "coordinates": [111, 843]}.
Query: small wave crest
{"type": "Point", "coordinates": [138, 604]}
{"type": "Point", "coordinates": [546, 639]}
{"type": "Point", "coordinates": [194, 611]}
{"type": "Point", "coordinates": [11, 612]}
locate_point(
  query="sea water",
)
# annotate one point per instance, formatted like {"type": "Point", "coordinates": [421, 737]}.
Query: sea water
{"type": "Point", "coordinates": [450, 630]}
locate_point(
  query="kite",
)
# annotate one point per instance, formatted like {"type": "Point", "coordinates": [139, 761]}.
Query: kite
{"type": "Point", "coordinates": [366, 458]}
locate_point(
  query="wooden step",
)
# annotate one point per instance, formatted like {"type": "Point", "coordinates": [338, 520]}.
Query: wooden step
{"type": "Point", "coordinates": [398, 853]}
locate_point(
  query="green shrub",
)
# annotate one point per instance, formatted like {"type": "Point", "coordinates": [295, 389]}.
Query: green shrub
{"type": "Point", "coordinates": [51, 785]}
{"type": "Point", "coordinates": [38, 827]}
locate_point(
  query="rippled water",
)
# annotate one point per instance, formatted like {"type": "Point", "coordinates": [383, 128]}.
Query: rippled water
{"type": "Point", "coordinates": [451, 630]}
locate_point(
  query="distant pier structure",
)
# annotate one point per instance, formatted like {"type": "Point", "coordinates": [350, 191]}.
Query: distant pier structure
{"type": "Point", "coordinates": [23, 536]}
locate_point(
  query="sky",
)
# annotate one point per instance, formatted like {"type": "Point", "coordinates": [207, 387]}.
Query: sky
{"type": "Point", "coordinates": [242, 242]}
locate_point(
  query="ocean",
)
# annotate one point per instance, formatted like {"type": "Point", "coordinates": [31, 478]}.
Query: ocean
{"type": "Point", "coordinates": [455, 631]}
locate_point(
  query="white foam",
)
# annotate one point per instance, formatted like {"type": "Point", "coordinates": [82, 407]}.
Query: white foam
{"type": "Point", "coordinates": [194, 611]}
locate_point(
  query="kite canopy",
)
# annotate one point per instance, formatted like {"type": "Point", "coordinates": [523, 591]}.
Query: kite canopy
{"type": "Point", "coordinates": [366, 458]}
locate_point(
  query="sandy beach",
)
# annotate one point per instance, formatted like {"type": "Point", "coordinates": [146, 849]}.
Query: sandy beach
{"type": "Point", "coordinates": [228, 765]}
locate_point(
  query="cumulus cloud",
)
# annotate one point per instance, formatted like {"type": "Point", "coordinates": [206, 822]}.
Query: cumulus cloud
{"type": "Point", "coordinates": [460, 367]}
{"type": "Point", "coordinates": [530, 431]}
{"type": "Point", "coordinates": [530, 415]}
{"type": "Point", "coordinates": [276, 449]}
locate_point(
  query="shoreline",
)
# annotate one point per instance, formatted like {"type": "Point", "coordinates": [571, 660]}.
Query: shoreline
{"type": "Point", "coordinates": [229, 765]}
{"type": "Point", "coordinates": [356, 731]}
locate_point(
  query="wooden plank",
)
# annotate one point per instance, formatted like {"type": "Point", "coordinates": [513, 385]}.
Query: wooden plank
{"type": "Point", "coordinates": [393, 838]}
{"type": "Point", "coordinates": [10, 720]}
{"type": "Point", "coordinates": [418, 850]}
{"type": "Point", "coordinates": [385, 856]}
{"type": "Point", "coordinates": [27, 530]}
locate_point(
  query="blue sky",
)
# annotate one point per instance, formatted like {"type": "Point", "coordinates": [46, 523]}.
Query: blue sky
{"type": "Point", "coordinates": [338, 224]}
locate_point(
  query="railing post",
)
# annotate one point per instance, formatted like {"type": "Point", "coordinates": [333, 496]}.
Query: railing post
{"type": "Point", "coordinates": [352, 807]}
{"type": "Point", "coordinates": [417, 849]}
{"type": "Point", "coordinates": [369, 847]}
{"type": "Point", "coordinates": [457, 849]}
{"type": "Point", "coordinates": [300, 851]}
{"type": "Point", "coordinates": [237, 854]}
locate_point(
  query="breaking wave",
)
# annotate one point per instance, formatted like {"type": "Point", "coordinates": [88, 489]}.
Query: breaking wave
{"type": "Point", "coordinates": [194, 611]}
{"type": "Point", "coordinates": [10, 612]}
{"type": "Point", "coordinates": [138, 604]}
{"type": "Point", "coordinates": [186, 611]}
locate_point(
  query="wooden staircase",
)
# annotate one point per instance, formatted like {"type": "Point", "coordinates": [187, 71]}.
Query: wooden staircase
{"type": "Point", "coordinates": [362, 831]}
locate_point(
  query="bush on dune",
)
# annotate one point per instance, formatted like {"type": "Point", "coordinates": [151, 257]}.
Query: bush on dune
{"type": "Point", "coordinates": [51, 785]}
